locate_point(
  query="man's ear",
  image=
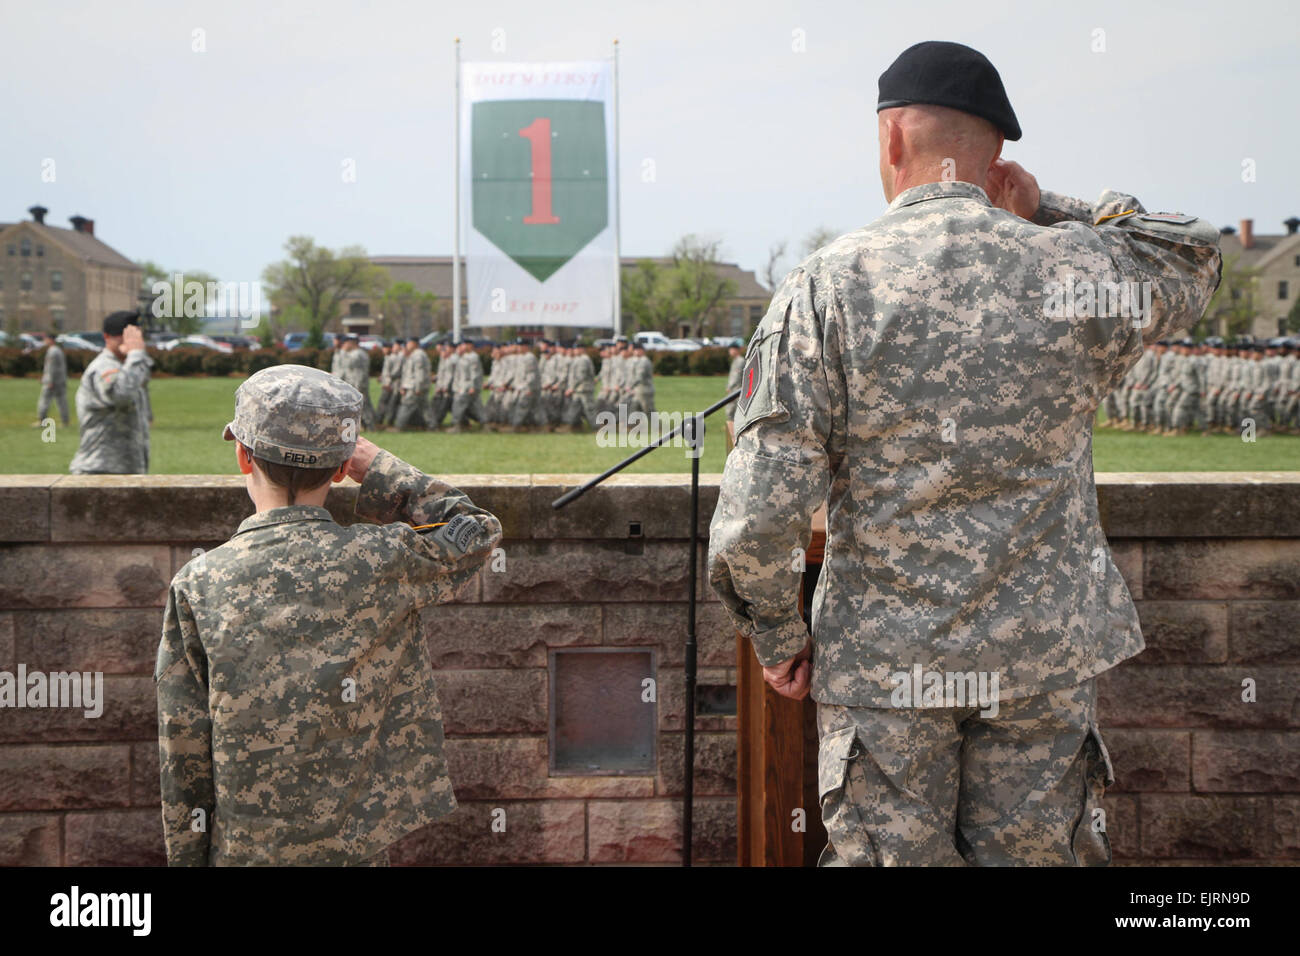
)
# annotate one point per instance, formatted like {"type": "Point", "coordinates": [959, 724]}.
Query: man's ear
{"type": "Point", "coordinates": [894, 142]}
{"type": "Point", "coordinates": [340, 474]}
{"type": "Point", "coordinates": [241, 457]}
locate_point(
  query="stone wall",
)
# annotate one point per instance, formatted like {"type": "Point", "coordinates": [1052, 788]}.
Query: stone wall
{"type": "Point", "coordinates": [1214, 561]}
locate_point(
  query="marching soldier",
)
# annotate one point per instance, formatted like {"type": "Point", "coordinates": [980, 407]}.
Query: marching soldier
{"type": "Point", "coordinates": [643, 381]}
{"type": "Point", "coordinates": [414, 387]}
{"type": "Point", "coordinates": [466, 388]}
{"type": "Point", "coordinates": [954, 462]}
{"type": "Point", "coordinates": [442, 385]}
{"type": "Point", "coordinates": [113, 403]}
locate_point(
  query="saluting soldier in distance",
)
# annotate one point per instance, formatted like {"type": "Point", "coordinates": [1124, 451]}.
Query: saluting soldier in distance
{"type": "Point", "coordinates": [913, 377]}
{"type": "Point", "coordinates": [54, 381]}
{"type": "Point", "coordinates": [298, 721]}
{"type": "Point", "coordinates": [113, 411]}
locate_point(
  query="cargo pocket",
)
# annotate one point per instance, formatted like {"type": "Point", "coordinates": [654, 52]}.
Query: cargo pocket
{"type": "Point", "coordinates": [1090, 842]}
{"type": "Point", "coordinates": [850, 843]}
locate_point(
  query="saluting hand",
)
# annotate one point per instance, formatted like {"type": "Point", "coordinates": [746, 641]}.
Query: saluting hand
{"type": "Point", "coordinates": [1011, 187]}
{"type": "Point", "coordinates": [362, 457]}
{"type": "Point", "coordinates": [792, 678]}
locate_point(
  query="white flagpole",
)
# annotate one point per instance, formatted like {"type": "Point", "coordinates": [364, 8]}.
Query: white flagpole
{"type": "Point", "coordinates": [455, 257]}
{"type": "Point", "coordinates": [618, 249]}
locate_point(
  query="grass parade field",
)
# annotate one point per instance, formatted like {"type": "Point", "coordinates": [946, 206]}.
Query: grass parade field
{"type": "Point", "coordinates": [189, 414]}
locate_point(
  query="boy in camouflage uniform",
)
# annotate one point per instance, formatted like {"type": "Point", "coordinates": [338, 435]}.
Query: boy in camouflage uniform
{"type": "Point", "coordinates": [298, 722]}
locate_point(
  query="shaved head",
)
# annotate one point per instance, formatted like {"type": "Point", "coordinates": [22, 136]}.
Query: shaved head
{"type": "Point", "coordinates": [921, 144]}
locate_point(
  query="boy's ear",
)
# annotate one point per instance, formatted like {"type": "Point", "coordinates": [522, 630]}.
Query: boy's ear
{"type": "Point", "coordinates": [245, 463]}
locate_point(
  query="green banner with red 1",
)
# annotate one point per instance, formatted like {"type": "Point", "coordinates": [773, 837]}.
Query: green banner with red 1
{"type": "Point", "coordinates": [540, 183]}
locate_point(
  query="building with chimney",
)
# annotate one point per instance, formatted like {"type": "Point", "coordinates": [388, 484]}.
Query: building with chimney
{"type": "Point", "coordinates": [1273, 263]}
{"type": "Point", "coordinates": [61, 280]}
{"type": "Point", "coordinates": [735, 316]}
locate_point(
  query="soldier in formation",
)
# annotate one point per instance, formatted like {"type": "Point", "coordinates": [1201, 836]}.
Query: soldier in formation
{"type": "Point", "coordinates": [352, 364]}
{"type": "Point", "coordinates": [1178, 386]}
{"type": "Point", "coordinates": [389, 379]}
{"type": "Point", "coordinates": [413, 387]}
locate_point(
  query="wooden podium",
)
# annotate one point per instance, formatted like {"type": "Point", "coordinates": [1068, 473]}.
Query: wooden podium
{"type": "Point", "coordinates": [776, 754]}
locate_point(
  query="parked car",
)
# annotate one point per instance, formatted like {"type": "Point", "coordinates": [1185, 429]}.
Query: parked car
{"type": "Point", "coordinates": [77, 343]}
{"type": "Point", "coordinates": [198, 341]}
{"type": "Point", "coordinates": [159, 340]}
{"type": "Point", "coordinates": [240, 343]}
{"type": "Point", "coordinates": [368, 342]}
{"type": "Point", "coordinates": [682, 345]}
{"type": "Point", "coordinates": [652, 340]}
{"type": "Point", "coordinates": [28, 342]}
{"type": "Point", "coordinates": [727, 341]}
{"type": "Point", "coordinates": [295, 340]}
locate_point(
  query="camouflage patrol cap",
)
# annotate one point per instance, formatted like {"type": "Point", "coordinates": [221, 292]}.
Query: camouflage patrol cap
{"type": "Point", "coordinates": [296, 415]}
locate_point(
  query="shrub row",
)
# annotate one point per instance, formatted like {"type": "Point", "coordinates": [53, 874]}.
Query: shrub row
{"type": "Point", "coordinates": [200, 361]}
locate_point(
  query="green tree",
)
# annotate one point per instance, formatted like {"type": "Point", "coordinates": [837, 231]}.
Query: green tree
{"type": "Point", "coordinates": [1233, 303]}
{"type": "Point", "coordinates": [694, 286]}
{"type": "Point", "coordinates": [175, 308]}
{"type": "Point", "coordinates": [402, 307]}
{"type": "Point", "coordinates": [315, 280]}
{"type": "Point", "coordinates": [645, 298]}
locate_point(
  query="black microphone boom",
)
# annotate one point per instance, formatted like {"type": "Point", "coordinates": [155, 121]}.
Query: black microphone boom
{"type": "Point", "coordinates": [692, 430]}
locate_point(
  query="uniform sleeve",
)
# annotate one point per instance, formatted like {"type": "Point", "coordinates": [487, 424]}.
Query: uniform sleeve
{"type": "Point", "coordinates": [119, 387]}
{"type": "Point", "coordinates": [1170, 263]}
{"type": "Point", "coordinates": [184, 736]}
{"type": "Point", "coordinates": [789, 442]}
{"type": "Point", "coordinates": [445, 556]}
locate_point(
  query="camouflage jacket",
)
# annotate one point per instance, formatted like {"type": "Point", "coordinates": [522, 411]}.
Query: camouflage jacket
{"type": "Point", "coordinates": [113, 416]}
{"type": "Point", "coordinates": [416, 372]}
{"type": "Point", "coordinates": [926, 379]}
{"type": "Point", "coordinates": [55, 370]}
{"type": "Point", "coordinates": [296, 701]}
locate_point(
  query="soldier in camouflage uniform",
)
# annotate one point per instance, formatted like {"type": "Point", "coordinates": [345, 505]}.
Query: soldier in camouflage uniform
{"type": "Point", "coordinates": [642, 381]}
{"type": "Point", "coordinates": [442, 378]}
{"type": "Point", "coordinates": [298, 721]}
{"type": "Point", "coordinates": [528, 387]}
{"type": "Point", "coordinates": [54, 381]}
{"type": "Point", "coordinates": [113, 403]}
{"type": "Point", "coordinates": [387, 383]}
{"type": "Point", "coordinates": [914, 378]}
{"type": "Point", "coordinates": [354, 368]}
{"type": "Point", "coordinates": [414, 387]}
{"type": "Point", "coordinates": [466, 388]}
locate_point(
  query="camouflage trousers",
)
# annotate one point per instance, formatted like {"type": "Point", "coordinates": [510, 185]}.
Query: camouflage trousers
{"type": "Point", "coordinates": [951, 787]}
{"type": "Point", "coordinates": [1187, 406]}
{"type": "Point", "coordinates": [51, 394]}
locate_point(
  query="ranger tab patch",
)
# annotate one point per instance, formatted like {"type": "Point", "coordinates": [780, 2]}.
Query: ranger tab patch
{"type": "Point", "coordinates": [459, 532]}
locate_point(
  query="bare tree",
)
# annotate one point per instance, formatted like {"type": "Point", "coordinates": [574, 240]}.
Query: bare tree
{"type": "Point", "coordinates": [772, 271]}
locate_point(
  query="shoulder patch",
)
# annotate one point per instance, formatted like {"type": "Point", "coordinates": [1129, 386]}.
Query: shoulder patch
{"type": "Point", "coordinates": [1173, 218]}
{"type": "Point", "coordinates": [750, 379]}
{"type": "Point", "coordinates": [459, 533]}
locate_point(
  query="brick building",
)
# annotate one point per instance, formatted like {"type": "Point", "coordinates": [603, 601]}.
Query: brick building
{"type": "Point", "coordinates": [1275, 261]}
{"type": "Point", "coordinates": [432, 274]}
{"type": "Point", "coordinates": [64, 280]}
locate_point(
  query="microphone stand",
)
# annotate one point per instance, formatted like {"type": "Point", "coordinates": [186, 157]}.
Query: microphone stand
{"type": "Point", "coordinates": [692, 429]}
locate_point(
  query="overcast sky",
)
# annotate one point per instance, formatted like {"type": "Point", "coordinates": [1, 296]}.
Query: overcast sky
{"type": "Point", "coordinates": [211, 160]}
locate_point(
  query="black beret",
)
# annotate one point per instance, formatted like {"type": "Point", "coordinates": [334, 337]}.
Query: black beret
{"type": "Point", "coordinates": [952, 75]}
{"type": "Point", "coordinates": [116, 323]}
